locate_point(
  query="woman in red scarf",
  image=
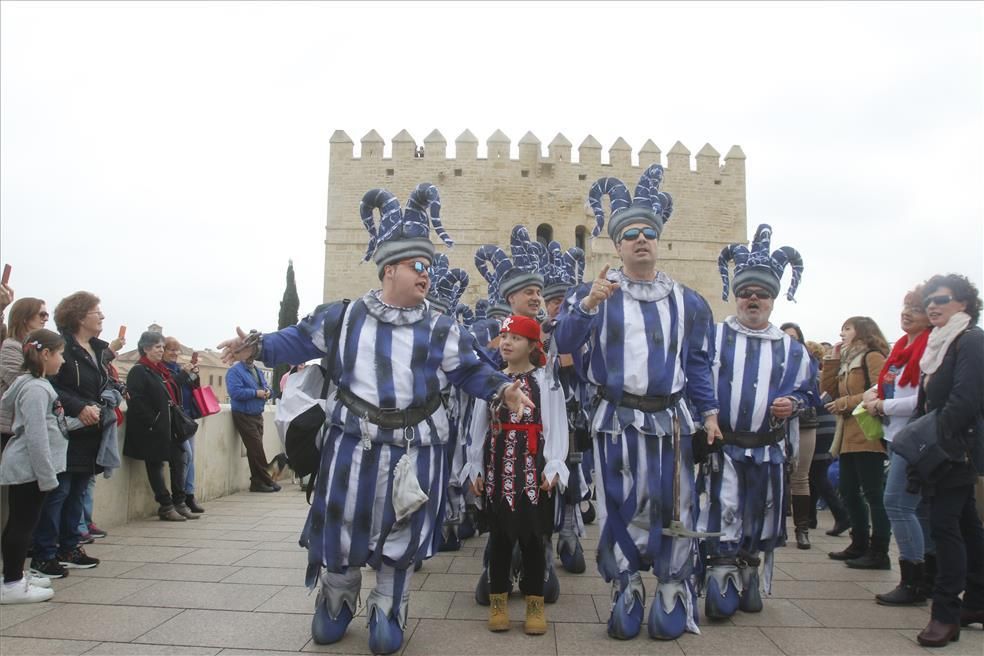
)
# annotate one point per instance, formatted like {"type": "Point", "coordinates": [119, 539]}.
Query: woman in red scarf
{"type": "Point", "coordinates": [895, 400]}
{"type": "Point", "coordinates": [148, 427]}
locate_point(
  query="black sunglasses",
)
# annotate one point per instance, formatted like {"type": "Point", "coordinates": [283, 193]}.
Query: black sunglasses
{"type": "Point", "coordinates": [940, 299]}
{"type": "Point", "coordinates": [758, 294]}
{"type": "Point", "coordinates": [419, 267]}
{"type": "Point", "coordinates": [633, 233]}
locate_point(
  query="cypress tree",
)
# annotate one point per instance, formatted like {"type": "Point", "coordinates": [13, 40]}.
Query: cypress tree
{"type": "Point", "coordinates": [288, 317]}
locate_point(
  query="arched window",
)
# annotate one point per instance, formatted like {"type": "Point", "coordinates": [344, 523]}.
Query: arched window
{"type": "Point", "coordinates": [544, 233]}
{"type": "Point", "coordinates": [580, 234]}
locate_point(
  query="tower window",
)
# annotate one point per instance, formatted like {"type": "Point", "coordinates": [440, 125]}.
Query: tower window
{"type": "Point", "coordinates": [457, 173]}
{"type": "Point", "coordinates": [580, 234]}
{"type": "Point", "coordinates": [544, 233]}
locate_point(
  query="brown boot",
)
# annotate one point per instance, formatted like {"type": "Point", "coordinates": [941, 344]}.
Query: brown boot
{"type": "Point", "coordinates": [185, 511]}
{"type": "Point", "coordinates": [536, 617]}
{"type": "Point", "coordinates": [938, 634]}
{"type": "Point", "coordinates": [169, 514]}
{"type": "Point", "coordinates": [499, 612]}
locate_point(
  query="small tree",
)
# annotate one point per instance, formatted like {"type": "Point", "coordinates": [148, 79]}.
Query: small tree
{"type": "Point", "coordinates": [288, 317]}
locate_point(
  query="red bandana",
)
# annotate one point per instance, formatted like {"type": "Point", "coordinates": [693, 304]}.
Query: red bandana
{"type": "Point", "coordinates": [907, 356]}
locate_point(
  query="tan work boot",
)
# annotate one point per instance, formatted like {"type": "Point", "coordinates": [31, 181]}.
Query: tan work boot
{"type": "Point", "coordinates": [499, 612]}
{"type": "Point", "coordinates": [536, 617]}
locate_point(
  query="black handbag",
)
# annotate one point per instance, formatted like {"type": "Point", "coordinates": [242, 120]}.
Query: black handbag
{"type": "Point", "coordinates": [183, 426]}
{"type": "Point", "coordinates": [918, 443]}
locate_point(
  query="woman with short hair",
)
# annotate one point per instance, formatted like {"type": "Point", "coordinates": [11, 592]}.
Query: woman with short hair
{"type": "Point", "coordinates": [953, 385]}
{"type": "Point", "coordinates": [148, 427]}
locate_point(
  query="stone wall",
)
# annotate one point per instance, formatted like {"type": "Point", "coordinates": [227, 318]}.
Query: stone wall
{"type": "Point", "coordinates": [482, 198]}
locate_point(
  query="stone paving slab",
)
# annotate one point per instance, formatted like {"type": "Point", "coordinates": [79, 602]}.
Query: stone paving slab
{"type": "Point", "coordinates": [231, 583]}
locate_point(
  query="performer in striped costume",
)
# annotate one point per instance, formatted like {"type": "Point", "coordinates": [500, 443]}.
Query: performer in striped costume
{"type": "Point", "coordinates": [649, 346]}
{"type": "Point", "coordinates": [763, 379]}
{"type": "Point", "coordinates": [385, 404]}
{"type": "Point", "coordinates": [564, 271]}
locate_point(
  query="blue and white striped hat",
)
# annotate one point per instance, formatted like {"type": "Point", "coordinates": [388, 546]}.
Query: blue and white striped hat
{"type": "Point", "coordinates": [402, 234]}
{"type": "Point", "coordinates": [565, 270]}
{"type": "Point", "coordinates": [757, 266]}
{"type": "Point", "coordinates": [649, 205]}
{"type": "Point", "coordinates": [447, 285]}
{"type": "Point", "coordinates": [522, 270]}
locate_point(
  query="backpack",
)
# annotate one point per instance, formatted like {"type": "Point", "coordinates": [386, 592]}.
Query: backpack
{"type": "Point", "coordinates": [302, 412]}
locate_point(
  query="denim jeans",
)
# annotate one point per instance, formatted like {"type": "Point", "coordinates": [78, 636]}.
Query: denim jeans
{"type": "Point", "coordinates": [907, 512]}
{"type": "Point", "coordinates": [189, 448]}
{"type": "Point", "coordinates": [58, 528]}
{"type": "Point", "coordinates": [87, 506]}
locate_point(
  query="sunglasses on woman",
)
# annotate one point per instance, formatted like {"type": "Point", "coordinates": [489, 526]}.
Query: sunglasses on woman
{"type": "Point", "coordinates": [941, 299]}
{"type": "Point", "coordinates": [43, 315]}
{"type": "Point", "coordinates": [757, 294]}
{"type": "Point", "coordinates": [633, 233]}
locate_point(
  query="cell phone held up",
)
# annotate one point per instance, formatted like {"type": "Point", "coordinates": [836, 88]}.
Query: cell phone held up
{"type": "Point", "coordinates": [194, 357]}
{"type": "Point", "coordinates": [6, 274]}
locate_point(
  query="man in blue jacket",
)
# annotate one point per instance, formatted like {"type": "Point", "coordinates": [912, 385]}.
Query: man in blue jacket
{"type": "Point", "coordinates": [249, 392]}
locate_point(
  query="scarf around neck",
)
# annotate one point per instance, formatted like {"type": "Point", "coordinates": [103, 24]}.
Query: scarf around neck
{"type": "Point", "coordinates": [161, 369]}
{"type": "Point", "coordinates": [940, 340]}
{"type": "Point", "coordinates": [906, 357]}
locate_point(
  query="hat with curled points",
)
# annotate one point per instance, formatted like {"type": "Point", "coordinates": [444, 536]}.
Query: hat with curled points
{"type": "Point", "coordinates": [402, 234]}
{"type": "Point", "coordinates": [649, 205]}
{"type": "Point", "coordinates": [464, 316]}
{"type": "Point", "coordinates": [447, 285]}
{"type": "Point", "coordinates": [565, 270]}
{"type": "Point", "coordinates": [756, 266]}
{"type": "Point", "coordinates": [512, 274]}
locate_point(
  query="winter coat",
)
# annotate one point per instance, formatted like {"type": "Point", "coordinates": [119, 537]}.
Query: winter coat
{"type": "Point", "coordinates": [956, 389]}
{"type": "Point", "coordinates": [148, 416]}
{"type": "Point", "coordinates": [11, 361]}
{"type": "Point", "coordinates": [847, 390]}
{"type": "Point", "coordinates": [38, 448]}
{"type": "Point", "coordinates": [79, 383]}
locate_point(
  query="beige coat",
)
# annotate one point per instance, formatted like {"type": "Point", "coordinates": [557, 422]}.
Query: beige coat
{"type": "Point", "coordinates": [846, 390]}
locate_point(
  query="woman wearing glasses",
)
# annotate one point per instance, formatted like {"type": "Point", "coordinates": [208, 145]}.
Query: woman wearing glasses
{"type": "Point", "coordinates": [853, 367]}
{"type": "Point", "coordinates": [953, 385]}
{"type": "Point", "coordinates": [26, 315]}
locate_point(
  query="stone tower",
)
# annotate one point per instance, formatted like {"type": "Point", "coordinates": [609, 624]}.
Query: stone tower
{"type": "Point", "coordinates": [482, 198]}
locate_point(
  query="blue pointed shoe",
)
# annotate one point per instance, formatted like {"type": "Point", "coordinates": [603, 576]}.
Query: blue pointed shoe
{"type": "Point", "coordinates": [572, 560]}
{"type": "Point", "coordinates": [720, 604]}
{"type": "Point", "coordinates": [668, 624]}
{"type": "Point", "coordinates": [324, 629]}
{"type": "Point", "coordinates": [625, 622]}
{"type": "Point", "coordinates": [385, 634]}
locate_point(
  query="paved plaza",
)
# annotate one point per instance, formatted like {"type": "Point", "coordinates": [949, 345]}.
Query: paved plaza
{"type": "Point", "coordinates": [232, 583]}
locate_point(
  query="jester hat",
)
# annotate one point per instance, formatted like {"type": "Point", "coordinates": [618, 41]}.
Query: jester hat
{"type": "Point", "coordinates": [756, 266]}
{"type": "Point", "coordinates": [649, 205]}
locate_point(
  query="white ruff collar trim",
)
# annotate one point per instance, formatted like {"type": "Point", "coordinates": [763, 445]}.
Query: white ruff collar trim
{"type": "Point", "coordinates": [391, 314]}
{"type": "Point", "coordinates": [643, 290]}
{"type": "Point", "coordinates": [771, 332]}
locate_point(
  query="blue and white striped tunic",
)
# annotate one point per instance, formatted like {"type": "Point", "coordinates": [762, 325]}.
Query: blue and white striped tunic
{"type": "Point", "coordinates": [390, 357]}
{"type": "Point", "coordinates": [744, 493]}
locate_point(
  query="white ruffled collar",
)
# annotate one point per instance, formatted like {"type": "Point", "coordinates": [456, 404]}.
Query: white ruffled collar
{"type": "Point", "coordinates": [391, 314]}
{"type": "Point", "coordinates": [643, 290]}
{"type": "Point", "coordinates": [770, 333]}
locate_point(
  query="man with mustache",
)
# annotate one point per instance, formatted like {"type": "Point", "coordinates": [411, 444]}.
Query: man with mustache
{"type": "Point", "coordinates": [763, 379]}
{"type": "Point", "coordinates": [648, 342]}
{"type": "Point", "coordinates": [384, 450]}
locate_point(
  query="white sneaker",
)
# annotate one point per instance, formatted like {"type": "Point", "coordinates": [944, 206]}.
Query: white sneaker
{"type": "Point", "coordinates": [39, 581]}
{"type": "Point", "coordinates": [22, 592]}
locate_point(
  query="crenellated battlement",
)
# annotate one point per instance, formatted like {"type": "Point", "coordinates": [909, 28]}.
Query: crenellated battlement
{"type": "Point", "coordinates": [545, 189]}
{"type": "Point", "coordinates": [498, 147]}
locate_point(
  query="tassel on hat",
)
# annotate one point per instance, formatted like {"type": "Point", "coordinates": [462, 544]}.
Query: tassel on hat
{"type": "Point", "coordinates": [649, 205]}
{"type": "Point", "coordinates": [402, 234]}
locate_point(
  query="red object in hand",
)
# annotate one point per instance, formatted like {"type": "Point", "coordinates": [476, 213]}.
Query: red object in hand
{"type": "Point", "coordinates": [6, 274]}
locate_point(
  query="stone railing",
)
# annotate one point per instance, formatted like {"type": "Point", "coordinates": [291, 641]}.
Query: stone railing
{"type": "Point", "coordinates": [220, 469]}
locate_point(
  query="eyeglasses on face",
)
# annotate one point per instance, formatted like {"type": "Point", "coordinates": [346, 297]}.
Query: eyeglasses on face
{"type": "Point", "coordinates": [44, 315]}
{"type": "Point", "coordinates": [633, 233]}
{"type": "Point", "coordinates": [417, 266]}
{"type": "Point", "coordinates": [758, 294]}
{"type": "Point", "coordinates": [939, 299]}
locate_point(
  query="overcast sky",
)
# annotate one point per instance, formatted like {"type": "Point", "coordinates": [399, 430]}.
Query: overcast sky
{"type": "Point", "coordinates": [172, 157]}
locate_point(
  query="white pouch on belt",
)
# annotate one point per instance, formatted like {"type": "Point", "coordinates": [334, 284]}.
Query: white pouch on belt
{"type": "Point", "coordinates": [407, 494]}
